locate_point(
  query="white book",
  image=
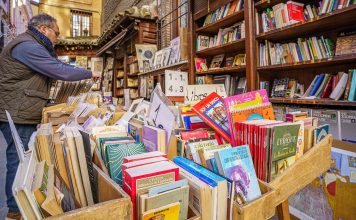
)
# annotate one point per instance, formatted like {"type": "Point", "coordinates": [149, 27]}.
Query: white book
{"type": "Point", "coordinates": [324, 7]}
{"type": "Point", "coordinates": [340, 87]}
{"type": "Point", "coordinates": [317, 48]}
{"type": "Point", "coordinates": [347, 125]}
{"type": "Point", "coordinates": [330, 117]}
{"type": "Point", "coordinates": [310, 11]}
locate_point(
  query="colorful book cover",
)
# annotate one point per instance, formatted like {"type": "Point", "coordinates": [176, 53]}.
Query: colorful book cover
{"type": "Point", "coordinates": [320, 133]}
{"type": "Point", "coordinates": [283, 148]}
{"type": "Point", "coordinates": [200, 64]}
{"type": "Point", "coordinates": [236, 164]}
{"type": "Point", "coordinates": [245, 100]}
{"type": "Point", "coordinates": [253, 113]}
{"type": "Point", "coordinates": [168, 212]}
{"type": "Point", "coordinates": [115, 155]}
{"type": "Point", "coordinates": [194, 147]}
{"type": "Point", "coordinates": [138, 180]}
{"type": "Point", "coordinates": [212, 110]}
{"type": "Point", "coordinates": [207, 155]}
{"type": "Point", "coordinates": [153, 138]}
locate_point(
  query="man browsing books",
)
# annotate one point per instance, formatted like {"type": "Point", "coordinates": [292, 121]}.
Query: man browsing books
{"type": "Point", "coordinates": [27, 66]}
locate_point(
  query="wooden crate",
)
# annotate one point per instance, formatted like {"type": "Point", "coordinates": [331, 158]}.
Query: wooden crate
{"type": "Point", "coordinates": [114, 203]}
{"type": "Point", "coordinates": [313, 163]}
{"type": "Point", "coordinates": [261, 208]}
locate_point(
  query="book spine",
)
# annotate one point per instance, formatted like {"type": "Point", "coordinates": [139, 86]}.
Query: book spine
{"type": "Point", "coordinates": [352, 93]}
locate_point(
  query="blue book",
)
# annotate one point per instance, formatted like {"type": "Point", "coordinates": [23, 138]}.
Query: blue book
{"type": "Point", "coordinates": [211, 179]}
{"type": "Point", "coordinates": [236, 164]}
{"type": "Point", "coordinates": [321, 132]}
{"type": "Point", "coordinates": [300, 57]}
{"type": "Point", "coordinates": [316, 85]}
{"type": "Point", "coordinates": [352, 93]}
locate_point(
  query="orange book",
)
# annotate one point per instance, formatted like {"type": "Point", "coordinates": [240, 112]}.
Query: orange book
{"type": "Point", "coordinates": [232, 7]}
{"type": "Point", "coordinates": [258, 112]}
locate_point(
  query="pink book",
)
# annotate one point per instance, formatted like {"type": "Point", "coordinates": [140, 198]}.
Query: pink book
{"type": "Point", "coordinates": [246, 100]}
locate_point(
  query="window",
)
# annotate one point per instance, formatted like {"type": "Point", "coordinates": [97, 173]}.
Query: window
{"type": "Point", "coordinates": [81, 23]}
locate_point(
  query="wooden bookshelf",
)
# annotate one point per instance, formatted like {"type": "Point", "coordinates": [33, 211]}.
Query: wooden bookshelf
{"type": "Point", "coordinates": [225, 70]}
{"type": "Point", "coordinates": [222, 23]}
{"type": "Point", "coordinates": [330, 21]}
{"type": "Point", "coordinates": [235, 46]}
{"type": "Point", "coordinates": [337, 60]}
{"type": "Point", "coordinates": [161, 70]}
{"type": "Point", "coordinates": [323, 102]}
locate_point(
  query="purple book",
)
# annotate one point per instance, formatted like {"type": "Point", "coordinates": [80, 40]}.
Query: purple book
{"type": "Point", "coordinates": [154, 138]}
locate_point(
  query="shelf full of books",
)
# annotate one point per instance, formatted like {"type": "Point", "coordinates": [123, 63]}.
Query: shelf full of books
{"type": "Point", "coordinates": [305, 52]}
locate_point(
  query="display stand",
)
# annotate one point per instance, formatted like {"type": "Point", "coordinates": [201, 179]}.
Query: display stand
{"type": "Point", "coordinates": [276, 193]}
{"type": "Point", "coordinates": [114, 203]}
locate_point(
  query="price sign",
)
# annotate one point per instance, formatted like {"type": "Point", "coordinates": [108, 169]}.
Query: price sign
{"type": "Point", "coordinates": [175, 82]}
{"type": "Point", "coordinates": [194, 93]}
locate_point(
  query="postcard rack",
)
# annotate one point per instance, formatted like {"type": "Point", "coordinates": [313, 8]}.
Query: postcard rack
{"type": "Point", "coordinates": [275, 194]}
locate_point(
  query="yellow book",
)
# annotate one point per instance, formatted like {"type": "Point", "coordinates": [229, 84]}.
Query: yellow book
{"type": "Point", "coordinates": [168, 212]}
{"type": "Point", "coordinates": [308, 137]}
{"type": "Point", "coordinates": [40, 182]}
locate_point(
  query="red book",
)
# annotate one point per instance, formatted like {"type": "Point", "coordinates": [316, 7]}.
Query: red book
{"type": "Point", "coordinates": [143, 156]}
{"type": "Point", "coordinates": [212, 111]}
{"type": "Point", "coordinates": [335, 82]}
{"type": "Point", "coordinates": [232, 7]}
{"type": "Point", "coordinates": [137, 163]}
{"type": "Point", "coordinates": [139, 179]}
{"type": "Point", "coordinates": [328, 88]}
{"type": "Point", "coordinates": [295, 12]}
{"type": "Point", "coordinates": [198, 134]}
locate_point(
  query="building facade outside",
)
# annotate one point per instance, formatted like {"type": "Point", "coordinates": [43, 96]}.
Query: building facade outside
{"type": "Point", "coordinates": [21, 13]}
{"type": "Point", "coordinates": [75, 18]}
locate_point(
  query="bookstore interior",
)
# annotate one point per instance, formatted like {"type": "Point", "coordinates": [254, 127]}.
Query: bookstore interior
{"type": "Point", "coordinates": [230, 109]}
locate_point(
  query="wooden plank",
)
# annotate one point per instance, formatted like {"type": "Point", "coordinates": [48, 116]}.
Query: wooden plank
{"type": "Point", "coordinates": [313, 163]}
{"type": "Point", "coordinates": [233, 47]}
{"type": "Point", "coordinates": [228, 21]}
{"type": "Point", "coordinates": [283, 211]}
{"type": "Point", "coordinates": [236, 69]}
{"type": "Point", "coordinates": [261, 208]}
{"type": "Point", "coordinates": [114, 202]}
{"type": "Point", "coordinates": [250, 45]}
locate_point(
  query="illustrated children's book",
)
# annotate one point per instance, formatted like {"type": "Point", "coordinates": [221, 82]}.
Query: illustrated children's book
{"type": "Point", "coordinates": [212, 110]}
{"type": "Point", "coordinates": [236, 164]}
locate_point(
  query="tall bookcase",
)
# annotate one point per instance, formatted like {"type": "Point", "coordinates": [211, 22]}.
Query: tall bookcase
{"type": "Point", "coordinates": [329, 25]}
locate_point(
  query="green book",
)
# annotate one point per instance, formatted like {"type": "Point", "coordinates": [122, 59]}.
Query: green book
{"type": "Point", "coordinates": [284, 147]}
{"type": "Point", "coordinates": [115, 155]}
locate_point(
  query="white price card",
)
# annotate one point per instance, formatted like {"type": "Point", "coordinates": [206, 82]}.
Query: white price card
{"type": "Point", "coordinates": [175, 82]}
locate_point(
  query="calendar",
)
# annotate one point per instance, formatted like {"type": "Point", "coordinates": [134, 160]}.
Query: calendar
{"type": "Point", "coordinates": [175, 81]}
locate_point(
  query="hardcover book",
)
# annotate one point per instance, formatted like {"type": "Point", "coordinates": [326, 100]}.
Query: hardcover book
{"type": "Point", "coordinates": [115, 155]}
{"type": "Point", "coordinates": [283, 147]}
{"type": "Point", "coordinates": [139, 179]}
{"type": "Point", "coordinates": [236, 164]}
{"type": "Point", "coordinates": [194, 146]}
{"type": "Point", "coordinates": [217, 61]}
{"type": "Point", "coordinates": [212, 110]}
{"type": "Point", "coordinates": [142, 156]}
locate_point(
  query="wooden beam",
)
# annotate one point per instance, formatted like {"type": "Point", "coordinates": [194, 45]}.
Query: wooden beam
{"type": "Point", "coordinates": [250, 45]}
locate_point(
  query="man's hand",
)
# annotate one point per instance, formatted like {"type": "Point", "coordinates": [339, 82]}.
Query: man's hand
{"type": "Point", "coordinates": [96, 76]}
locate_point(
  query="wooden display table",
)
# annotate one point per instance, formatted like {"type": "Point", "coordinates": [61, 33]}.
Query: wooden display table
{"type": "Point", "coordinates": [276, 193]}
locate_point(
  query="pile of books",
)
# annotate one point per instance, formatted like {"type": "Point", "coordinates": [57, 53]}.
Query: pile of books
{"type": "Point", "coordinates": [224, 11]}
{"type": "Point", "coordinates": [224, 36]}
{"type": "Point", "coordinates": [313, 48]}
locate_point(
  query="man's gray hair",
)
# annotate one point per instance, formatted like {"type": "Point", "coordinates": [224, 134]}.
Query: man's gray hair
{"type": "Point", "coordinates": [42, 20]}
